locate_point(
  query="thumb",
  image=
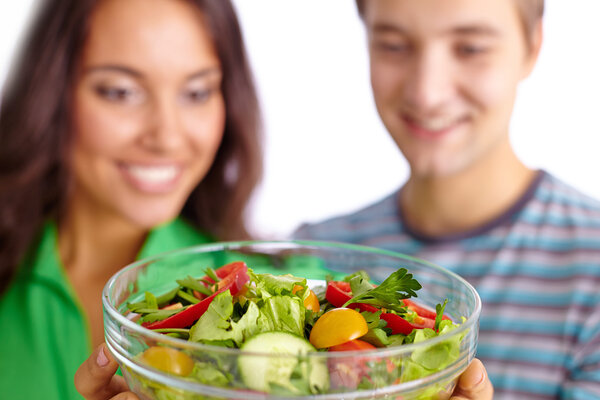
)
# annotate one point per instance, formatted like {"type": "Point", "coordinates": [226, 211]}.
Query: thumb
{"type": "Point", "coordinates": [474, 384]}
{"type": "Point", "coordinates": [95, 379]}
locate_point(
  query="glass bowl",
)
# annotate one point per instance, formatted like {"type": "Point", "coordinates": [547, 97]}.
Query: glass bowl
{"type": "Point", "coordinates": [425, 370]}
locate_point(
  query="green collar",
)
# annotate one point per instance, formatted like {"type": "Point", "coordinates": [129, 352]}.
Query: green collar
{"type": "Point", "coordinates": [44, 263]}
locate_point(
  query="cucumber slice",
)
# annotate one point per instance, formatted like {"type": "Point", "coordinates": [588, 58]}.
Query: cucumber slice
{"type": "Point", "coordinates": [301, 375]}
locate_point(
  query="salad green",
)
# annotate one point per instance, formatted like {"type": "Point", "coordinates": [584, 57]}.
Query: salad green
{"type": "Point", "coordinates": [286, 319]}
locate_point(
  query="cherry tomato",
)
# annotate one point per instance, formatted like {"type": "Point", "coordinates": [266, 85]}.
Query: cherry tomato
{"type": "Point", "coordinates": [337, 326]}
{"type": "Point", "coordinates": [311, 302]}
{"type": "Point", "coordinates": [348, 372]}
{"type": "Point", "coordinates": [168, 360]}
{"type": "Point", "coordinates": [353, 345]}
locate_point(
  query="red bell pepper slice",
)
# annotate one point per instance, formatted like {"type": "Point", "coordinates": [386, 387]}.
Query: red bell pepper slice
{"type": "Point", "coordinates": [399, 325]}
{"type": "Point", "coordinates": [422, 311]}
{"type": "Point", "coordinates": [233, 278]}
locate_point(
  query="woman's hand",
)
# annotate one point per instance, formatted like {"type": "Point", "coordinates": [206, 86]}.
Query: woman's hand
{"type": "Point", "coordinates": [474, 384]}
{"type": "Point", "coordinates": [95, 379]}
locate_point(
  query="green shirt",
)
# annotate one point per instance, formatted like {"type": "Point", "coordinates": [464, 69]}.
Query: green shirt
{"type": "Point", "coordinates": [44, 333]}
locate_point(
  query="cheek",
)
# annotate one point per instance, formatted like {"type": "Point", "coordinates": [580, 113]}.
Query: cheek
{"type": "Point", "coordinates": [207, 127]}
{"type": "Point", "coordinates": [386, 79]}
{"type": "Point", "coordinates": [491, 88]}
{"type": "Point", "coordinates": [99, 129]}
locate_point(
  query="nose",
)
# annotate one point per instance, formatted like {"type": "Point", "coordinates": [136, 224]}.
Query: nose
{"type": "Point", "coordinates": [431, 83]}
{"type": "Point", "coordinates": [165, 131]}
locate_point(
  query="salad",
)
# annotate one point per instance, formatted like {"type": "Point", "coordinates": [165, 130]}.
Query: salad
{"type": "Point", "coordinates": [235, 307]}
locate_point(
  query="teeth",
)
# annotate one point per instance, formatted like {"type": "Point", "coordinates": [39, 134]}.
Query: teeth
{"type": "Point", "coordinates": [153, 174]}
{"type": "Point", "coordinates": [436, 124]}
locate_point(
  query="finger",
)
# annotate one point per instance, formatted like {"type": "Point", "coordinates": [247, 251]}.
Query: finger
{"type": "Point", "coordinates": [474, 384]}
{"type": "Point", "coordinates": [95, 379]}
{"type": "Point", "coordinates": [125, 396]}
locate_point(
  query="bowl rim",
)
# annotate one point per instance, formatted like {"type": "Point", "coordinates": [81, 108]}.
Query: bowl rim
{"type": "Point", "coordinates": [470, 322]}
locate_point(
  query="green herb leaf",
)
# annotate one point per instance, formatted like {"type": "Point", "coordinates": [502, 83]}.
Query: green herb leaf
{"type": "Point", "coordinates": [399, 285]}
{"type": "Point", "coordinates": [212, 274]}
{"type": "Point", "coordinates": [175, 332]}
{"type": "Point", "coordinates": [193, 284]}
{"type": "Point", "coordinates": [439, 310]}
{"type": "Point", "coordinates": [359, 283]}
{"type": "Point", "coordinates": [158, 315]}
{"type": "Point", "coordinates": [188, 297]}
{"type": "Point", "coordinates": [151, 300]}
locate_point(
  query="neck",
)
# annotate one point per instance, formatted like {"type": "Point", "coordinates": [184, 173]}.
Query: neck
{"type": "Point", "coordinates": [437, 206]}
{"type": "Point", "coordinates": [94, 245]}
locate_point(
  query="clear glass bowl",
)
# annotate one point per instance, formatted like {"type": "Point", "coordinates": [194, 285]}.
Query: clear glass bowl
{"type": "Point", "coordinates": [391, 372]}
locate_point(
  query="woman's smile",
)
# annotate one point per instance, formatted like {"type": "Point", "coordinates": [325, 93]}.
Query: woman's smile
{"type": "Point", "coordinates": [152, 178]}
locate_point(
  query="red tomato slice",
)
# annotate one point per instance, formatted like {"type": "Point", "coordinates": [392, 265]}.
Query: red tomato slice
{"type": "Point", "coordinates": [349, 372]}
{"type": "Point", "coordinates": [338, 293]}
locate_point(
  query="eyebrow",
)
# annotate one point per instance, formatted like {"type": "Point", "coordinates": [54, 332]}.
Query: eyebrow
{"type": "Point", "coordinates": [137, 74]}
{"type": "Point", "coordinates": [476, 29]}
{"type": "Point", "coordinates": [461, 30]}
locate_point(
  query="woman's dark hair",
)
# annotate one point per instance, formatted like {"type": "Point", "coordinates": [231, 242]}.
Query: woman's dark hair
{"type": "Point", "coordinates": [36, 128]}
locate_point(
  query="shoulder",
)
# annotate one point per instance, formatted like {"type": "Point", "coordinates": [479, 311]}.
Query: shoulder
{"type": "Point", "coordinates": [367, 222]}
{"type": "Point", "coordinates": [554, 190]}
{"type": "Point", "coordinates": [556, 200]}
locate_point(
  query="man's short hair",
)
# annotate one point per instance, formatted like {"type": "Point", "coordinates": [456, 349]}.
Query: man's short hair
{"type": "Point", "coordinates": [531, 12]}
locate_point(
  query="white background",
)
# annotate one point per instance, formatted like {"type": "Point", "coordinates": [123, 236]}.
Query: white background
{"type": "Point", "coordinates": [326, 151]}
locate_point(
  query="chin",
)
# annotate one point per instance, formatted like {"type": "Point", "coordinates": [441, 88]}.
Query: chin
{"type": "Point", "coordinates": [149, 220]}
{"type": "Point", "coordinates": [435, 169]}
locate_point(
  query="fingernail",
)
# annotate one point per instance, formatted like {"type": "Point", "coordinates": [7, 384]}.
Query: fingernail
{"type": "Point", "coordinates": [479, 379]}
{"type": "Point", "coordinates": [101, 360]}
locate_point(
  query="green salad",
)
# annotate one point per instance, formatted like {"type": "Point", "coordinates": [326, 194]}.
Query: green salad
{"type": "Point", "coordinates": [286, 318]}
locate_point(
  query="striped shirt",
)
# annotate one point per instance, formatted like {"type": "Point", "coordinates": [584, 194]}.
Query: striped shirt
{"type": "Point", "coordinates": [537, 270]}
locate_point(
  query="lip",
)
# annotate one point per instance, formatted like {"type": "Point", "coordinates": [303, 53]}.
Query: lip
{"type": "Point", "coordinates": [416, 128]}
{"type": "Point", "coordinates": [152, 178]}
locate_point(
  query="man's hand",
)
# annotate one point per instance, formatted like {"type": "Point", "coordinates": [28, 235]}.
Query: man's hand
{"type": "Point", "coordinates": [95, 379]}
{"type": "Point", "coordinates": [473, 384]}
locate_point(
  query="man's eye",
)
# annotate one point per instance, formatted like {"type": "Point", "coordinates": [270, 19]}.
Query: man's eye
{"type": "Point", "coordinates": [391, 47]}
{"type": "Point", "coordinates": [467, 50]}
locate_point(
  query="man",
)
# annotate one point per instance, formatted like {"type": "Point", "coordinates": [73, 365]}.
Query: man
{"type": "Point", "coordinates": [444, 76]}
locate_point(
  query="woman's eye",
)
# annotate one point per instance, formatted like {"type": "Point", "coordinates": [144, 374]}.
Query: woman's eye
{"type": "Point", "coordinates": [198, 96]}
{"type": "Point", "coordinates": [117, 94]}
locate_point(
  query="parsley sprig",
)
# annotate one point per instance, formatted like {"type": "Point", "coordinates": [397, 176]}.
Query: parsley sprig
{"type": "Point", "coordinates": [399, 285]}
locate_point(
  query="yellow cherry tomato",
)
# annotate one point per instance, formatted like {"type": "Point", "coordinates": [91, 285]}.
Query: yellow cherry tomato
{"type": "Point", "coordinates": [311, 302]}
{"type": "Point", "coordinates": [168, 360]}
{"type": "Point", "coordinates": [337, 326]}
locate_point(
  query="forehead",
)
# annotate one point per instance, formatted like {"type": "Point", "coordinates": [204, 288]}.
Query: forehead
{"type": "Point", "coordinates": [149, 34]}
{"type": "Point", "coordinates": [438, 17]}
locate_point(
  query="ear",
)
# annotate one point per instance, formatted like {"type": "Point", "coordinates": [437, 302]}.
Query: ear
{"type": "Point", "coordinates": [535, 46]}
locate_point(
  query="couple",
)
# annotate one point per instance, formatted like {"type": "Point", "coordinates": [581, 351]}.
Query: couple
{"type": "Point", "coordinates": [131, 128]}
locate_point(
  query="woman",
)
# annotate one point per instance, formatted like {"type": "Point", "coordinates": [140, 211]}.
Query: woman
{"type": "Point", "coordinates": [127, 129]}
